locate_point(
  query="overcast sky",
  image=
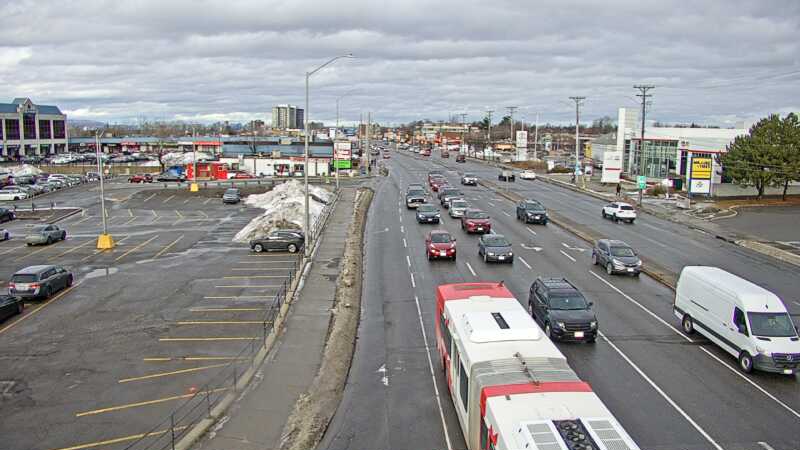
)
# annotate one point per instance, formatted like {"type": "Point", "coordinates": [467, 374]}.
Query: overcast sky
{"type": "Point", "coordinates": [716, 62]}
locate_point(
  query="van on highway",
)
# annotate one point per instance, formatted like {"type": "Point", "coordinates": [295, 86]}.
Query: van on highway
{"type": "Point", "coordinates": [744, 319]}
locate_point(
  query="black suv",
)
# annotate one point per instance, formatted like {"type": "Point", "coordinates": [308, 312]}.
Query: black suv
{"type": "Point", "coordinates": [531, 211]}
{"type": "Point", "coordinates": [560, 308]}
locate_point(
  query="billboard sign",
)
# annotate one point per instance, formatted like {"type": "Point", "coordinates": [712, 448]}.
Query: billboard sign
{"type": "Point", "coordinates": [701, 168]}
{"type": "Point", "coordinates": [522, 139]}
{"type": "Point", "coordinates": [612, 167]}
{"type": "Point", "coordinates": [332, 133]}
{"type": "Point", "coordinates": [342, 150]}
{"type": "Point", "coordinates": [700, 186]}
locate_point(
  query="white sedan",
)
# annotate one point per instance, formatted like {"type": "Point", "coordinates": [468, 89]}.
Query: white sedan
{"type": "Point", "coordinates": [528, 175]}
{"type": "Point", "coordinates": [12, 193]}
{"type": "Point", "coordinates": [619, 211]}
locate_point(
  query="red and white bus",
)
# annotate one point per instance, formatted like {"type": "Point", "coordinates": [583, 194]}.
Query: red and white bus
{"type": "Point", "coordinates": [511, 386]}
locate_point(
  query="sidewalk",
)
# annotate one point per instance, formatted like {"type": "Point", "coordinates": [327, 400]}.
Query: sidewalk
{"type": "Point", "coordinates": [256, 420]}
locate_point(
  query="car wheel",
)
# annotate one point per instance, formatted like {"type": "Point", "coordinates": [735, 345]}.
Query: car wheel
{"type": "Point", "coordinates": [603, 213]}
{"type": "Point", "coordinates": [48, 292]}
{"type": "Point", "coordinates": [20, 307]}
{"type": "Point", "coordinates": [428, 254]}
{"type": "Point", "coordinates": [70, 280]}
{"type": "Point", "coordinates": [64, 236]}
{"type": "Point", "coordinates": [687, 324]}
{"type": "Point", "coordinates": [292, 248]}
{"type": "Point", "coordinates": [631, 221]}
{"type": "Point", "coordinates": [615, 218]}
{"type": "Point", "coordinates": [454, 258]}
{"type": "Point", "coordinates": [745, 362]}
{"type": "Point", "coordinates": [49, 241]}
{"type": "Point", "coordinates": [591, 340]}
{"type": "Point", "coordinates": [530, 309]}
{"type": "Point", "coordinates": [485, 258]}
{"type": "Point", "coordinates": [609, 269]}
{"type": "Point", "coordinates": [636, 274]}
{"type": "Point", "coordinates": [594, 259]}
{"type": "Point", "coordinates": [258, 248]}
{"type": "Point", "coordinates": [6, 237]}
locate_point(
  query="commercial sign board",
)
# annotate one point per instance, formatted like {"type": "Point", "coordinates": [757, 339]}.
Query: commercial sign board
{"type": "Point", "coordinates": [342, 150]}
{"type": "Point", "coordinates": [612, 167]}
{"type": "Point", "coordinates": [701, 168]}
{"type": "Point", "coordinates": [522, 139]}
{"type": "Point", "coordinates": [700, 186]}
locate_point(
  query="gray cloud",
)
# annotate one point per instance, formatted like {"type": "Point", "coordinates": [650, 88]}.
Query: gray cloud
{"type": "Point", "coordinates": [712, 61]}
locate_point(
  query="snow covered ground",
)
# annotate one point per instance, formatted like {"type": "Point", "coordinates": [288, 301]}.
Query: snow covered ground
{"type": "Point", "coordinates": [23, 170]}
{"type": "Point", "coordinates": [284, 208]}
{"type": "Point", "coordinates": [181, 158]}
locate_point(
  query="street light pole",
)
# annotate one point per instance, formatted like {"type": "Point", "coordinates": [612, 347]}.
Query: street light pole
{"type": "Point", "coordinates": [307, 221]}
{"type": "Point", "coordinates": [104, 241]}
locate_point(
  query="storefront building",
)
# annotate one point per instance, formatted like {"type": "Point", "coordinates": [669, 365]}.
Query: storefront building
{"type": "Point", "coordinates": [30, 130]}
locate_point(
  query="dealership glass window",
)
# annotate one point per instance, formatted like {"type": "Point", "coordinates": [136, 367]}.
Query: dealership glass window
{"type": "Point", "coordinates": [12, 129]}
{"type": "Point", "coordinates": [44, 129]}
{"type": "Point", "coordinates": [657, 159]}
{"type": "Point", "coordinates": [59, 132]}
{"type": "Point", "coordinates": [29, 125]}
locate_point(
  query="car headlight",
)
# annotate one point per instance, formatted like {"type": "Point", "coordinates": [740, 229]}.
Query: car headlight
{"type": "Point", "coordinates": [491, 253]}
{"type": "Point", "coordinates": [438, 215]}
{"type": "Point", "coordinates": [639, 263]}
{"type": "Point", "coordinates": [561, 325]}
{"type": "Point", "coordinates": [510, 253]}
{"type": "Point", "coordinates": [593, 324]}
{"type": "Point", "coordinates": [762, 350]}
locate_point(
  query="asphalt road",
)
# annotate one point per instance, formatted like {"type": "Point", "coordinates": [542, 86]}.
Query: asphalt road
{"type": "Point", "coordinates": [669, 391]}
{"type": "Point", "coordinates": [775, 223]}
{"type": "Point", "coordinates": [146, 325]}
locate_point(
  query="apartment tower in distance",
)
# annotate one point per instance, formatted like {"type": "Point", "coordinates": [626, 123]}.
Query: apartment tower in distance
{"type": "Point", "coordinates": [287, 117]}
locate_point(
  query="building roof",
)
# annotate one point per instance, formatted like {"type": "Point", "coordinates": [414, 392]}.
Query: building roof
{"type": "Point", "coordinates": [43, 109]}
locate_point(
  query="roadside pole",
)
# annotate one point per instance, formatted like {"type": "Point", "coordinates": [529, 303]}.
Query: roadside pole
{"type": "Point", "coordinates": [104, 241]}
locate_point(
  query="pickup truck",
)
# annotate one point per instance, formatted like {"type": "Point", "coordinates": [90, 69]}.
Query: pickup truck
{"type": "Point", "coordinates": [506, 175]}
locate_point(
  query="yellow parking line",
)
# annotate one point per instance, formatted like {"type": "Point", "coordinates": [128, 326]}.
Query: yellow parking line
{"type": "Point", "coordinates": [250, 277]}
{"type": "Point", "coordinates": [179, 214]}
{"type": "Point", "coordinates": [264, 262]}
{"type": "Point", "coordinates": [176, 222]}
{"type": "Point", "coordinates": [196, 358]}
{"type": "Point", "coordinates": [82, 220]}
{"type": "Point", "coordinates": [220, 322]}
{"type": "Point", "coordinates": [129, 221]}
{"type": "Point", "coordinates": [146, 403]}
{"type": "Point", "coordinates": [203, 213]}
{"type": "Point", "coordinates": [246, 286]}
{"type": "Point", "coordinates": [74, 248]}
{"type": "Point", "coordinates": [224, 309]}
{"type": "Point", "coordinates": [237, 297]}
{"type": "Point", "coordinates": [120, 440]}
{"type": "Point", "coordinates": [12, 249]}
{"type": "Point", "coordinates": [44, 247]}
{"type": "Point", "coordinates": [207, 200]}
{"type": "Point", "coordinates": [148, 198]}
{"type": "Point", "coordinates": [136, 248]}
{"type": "Point", "coordinates": [203, 339]}
{"type": "Point", "coordinates": [174, 372]}
{"type": "Point", "coordinates": [168, 198]}
{"type": "Point", "coordinates": [130, 213]}
{"type": "Point", "coordinates": [168, 246]}
{"type": "Point", "coordinates": [40, 307]}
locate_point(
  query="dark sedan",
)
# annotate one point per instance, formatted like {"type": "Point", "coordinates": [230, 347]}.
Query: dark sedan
{"type": "Point", "coordinates": [10, 306]}
{"type": "Point", "coordinates": [495, 248]}
{"type": "Point", "coordinates": [427, 213]}
{"type": "Point", "coordinates": [531, 211]}
{"type": "Point", "coordinates": [6, 215]}
{"type": "Point", "coordinates": [279, 240]}
{"type": "Point", "coordinates": [170, 177]}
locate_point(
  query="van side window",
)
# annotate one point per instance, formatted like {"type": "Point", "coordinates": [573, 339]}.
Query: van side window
{"type": "Point", "coordinates": [739, 321]}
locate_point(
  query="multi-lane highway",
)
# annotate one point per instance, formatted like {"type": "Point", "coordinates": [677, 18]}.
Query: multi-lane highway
{"type": "Point", "coordinates": [669, 391]}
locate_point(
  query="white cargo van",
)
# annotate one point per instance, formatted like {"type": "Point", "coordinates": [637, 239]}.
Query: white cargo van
{"type": "Point", "coordinates": [744, 319]}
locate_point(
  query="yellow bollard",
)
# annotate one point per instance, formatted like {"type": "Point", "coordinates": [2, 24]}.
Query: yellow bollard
{"type": "Point", "coordinates": [105, 242]}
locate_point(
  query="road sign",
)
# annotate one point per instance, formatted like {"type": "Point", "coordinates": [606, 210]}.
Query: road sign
{"type": "Point", "coordinates": [641, 180]}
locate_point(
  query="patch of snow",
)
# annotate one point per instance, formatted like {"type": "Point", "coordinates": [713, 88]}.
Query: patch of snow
{"type": "Point", "coordinates": [24, 170]}
{"type": "Point", "coordinates": [284, 207]}
{"type": "Point", "coordinates": [183, 158]}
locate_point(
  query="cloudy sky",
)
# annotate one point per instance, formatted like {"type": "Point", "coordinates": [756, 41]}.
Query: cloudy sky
{"type": "Point", "coordinates": [716, 62]}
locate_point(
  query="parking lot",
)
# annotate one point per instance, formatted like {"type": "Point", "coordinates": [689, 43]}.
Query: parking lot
{"type": "Point", "coordinates": [145, 325]}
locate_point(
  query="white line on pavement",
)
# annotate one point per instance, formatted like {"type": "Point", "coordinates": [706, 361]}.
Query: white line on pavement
{"type": "Point", "coordinates": [509, 215]}
{"type": "Point", "coordinates": [405, 244]}
{"type": "Point", "coordinates": [532, 232]}
{"type": "Point", "coordinates": [715, 357]}
{"type": "Point", "coordinates": [471, 270]}
{"type": "Point", "coordinates": [490, 204]}
{"type": "Point", "coordinates": [433, 375]}
{"type": "Point", "coordinates": [402, 229]}
{"type": "Point", "coordinates": [524, 262]}
{"type": "Point", "coordinates": [413, 283]}
{"type": "Point", "coordinates": [148, 198]}
{"type": "Point", "coordinates": [765, 446]}
{"type": "Point", "coordinates": [796, 303]}
{"type": "Point", "coordinates": [662, 393]}
{"type": "Point", "coordinates": [408, 260]}
{"type": "Point", "coordinates": [570, 257]}
{"type": "Point", "coordinates": [401, 218]}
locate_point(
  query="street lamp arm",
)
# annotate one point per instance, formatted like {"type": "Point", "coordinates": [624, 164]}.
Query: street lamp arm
{"type": "Point", "coordinates": [330, 61]}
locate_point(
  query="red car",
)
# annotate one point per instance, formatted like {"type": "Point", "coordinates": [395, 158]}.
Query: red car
{"type": "Point", "coordinates": [438, 183]}
{"type": "Point", "coordinates": [242, 176]}
{"type": "Point", "coordinates": [475, 221]}
{"type": "Point", "coordinates": [439, 244]}
{"type": "Point", "coordinates": [141, 178]}
{"type": "Point", "coordinates": [424, 152]}
{"type": "Point", "coordinates": [386, 155]}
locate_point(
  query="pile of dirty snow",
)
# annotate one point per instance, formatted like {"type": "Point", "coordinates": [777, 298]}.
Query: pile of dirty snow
{"type": "Point", "coordinates": [181, 158]}
{"type": "Point", "coordinates": [25, 170]}
{"type": "Point", "coordinates": [284, 208]}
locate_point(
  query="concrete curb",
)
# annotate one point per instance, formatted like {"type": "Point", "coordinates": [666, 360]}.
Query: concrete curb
{"type": "Point", "coordinates": [218, 411]}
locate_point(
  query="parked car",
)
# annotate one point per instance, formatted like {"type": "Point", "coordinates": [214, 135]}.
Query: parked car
{"type": "Point", "coordinates": [4, 235]}
{"type": "Point", "coordinates": [527, 175]}
{"type": "Point", "coordinates": [457, 207]}
{"type": "Point", "coordinates": [415, 198]}
{"type": "Point", "coordinates": [231, 196]}
{"type": "Point", "coordinates": [461, 158]}
{"type": "Point", "coordinates": [560, 308]}
{"type": "Point", "coordinates": [619, 211]}
{"type": "Point", "coordinates": [386, 155]}
{"type": "Point", "coordinates": [92, 176]}
{"type": "Point", "coordinates": [531, 211]}
{"type": "Point", "coordinates": [241, 175]}
{"type": "Point", "coordinates": [448, 193]}
{"type": "Point", "coordinates": [279, 240]}
{"type": "Point", "coordinates": [39, 281]}
{"type": "Point", "coordinates": [616, 257]}
{"type": "Point", "coordinates": [439, 244]}
{"type": "Point", "coordinates": [141, 178]}
{"type": "Point", "coordinates": [427, 213]}
{"type": "Point", "coordinates": [425, 152]}
{"type": "Point", "coordinates": [506, 175]}
{"type": "Point", "coordinates": [12, 193]}
{"type": "Point", "coordinates": [495, 248]}
{"type": "Point", "coordinates": [469, 179]}
{"type": "Point", "coordinates": [10, 306]}
{"type": "Point", "coordinates": [742, 318]}
{"type": "Point", "coordinates": [475, 221]}
{"type": "Point", "coordinates": [45, 234]}
{"type": "Point", "coordinates": [7, 215]}
{"type": "Point", "coordinates": [170, 177]}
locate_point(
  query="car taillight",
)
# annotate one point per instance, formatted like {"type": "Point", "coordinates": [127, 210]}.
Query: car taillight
{"type": "Point", "coordinates": [34, 285]}
{"type": "Point", "coordinates": [12, 286]}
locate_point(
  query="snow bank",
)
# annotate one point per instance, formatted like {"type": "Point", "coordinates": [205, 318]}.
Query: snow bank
{"type": "Point", "coordinates": [181, 158]}
{"type": "Point", "coordinates": [24, 170]}
{"type": "Point", "coordinates": [284, 208]}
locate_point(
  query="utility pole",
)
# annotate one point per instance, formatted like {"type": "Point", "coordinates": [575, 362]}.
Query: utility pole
{"type": "Point", "coordinates": [463, 131]}
{"type": "Point", "coordinates": [369, 148]}
{"type": "Point", "coordinates": [536, 139]}
{"type": "Point", "coordinates": [643, 88]}
{"type": "Point", "coordinates": [578, 101]}
{"type": "Point", "coordinates": [511, 110]}
{"type": "Point", "coordinates": [489, 135]}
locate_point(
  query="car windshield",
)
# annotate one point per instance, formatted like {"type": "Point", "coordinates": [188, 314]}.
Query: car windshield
{"type": "Point", "coordinates": [477, 215]}
{"type": "Point", "coordinates": [536, 206]}
{"type": "Point", "coordinates": [39, 229]}
{"type": "Point", "coordinates": [626, 208]}
{"type": "Point", "coordinates": [452, 192]}
{"type": "Point", "coordinates": [572, 301]}
{"type": "Point", "coordinates": [416, 192]}
{"type": "Point", "coordinates": [771, 324]}
{"type": "Point", "coordinates": [458, 204]}
{"type": "Point", "coordinates": [469, 175]}
{"type": "Point", "coordinates": [495, 241]}
{"type": "Point", "coordinates": [622, 251]}
{"type": "Point", "coordinates": [23, 278]}
{"type": "Point", "coordinates": [232, 192]}
{"type": "Point", "coordinates": [426, 208]}
{"type": "Point", "coordinates": [441, 238]}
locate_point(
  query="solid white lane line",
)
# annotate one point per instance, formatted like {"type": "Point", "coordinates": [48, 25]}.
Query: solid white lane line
{"type": "Point", "coordinates": [433, 376]}
{"type": "Point", "coordinates": [408, 260]}
{"type": "Point", "coordinates": [715, 357]}
{"type": "Point", "coordinates": [148, 198]}
{"type": "Point", "coordinates": [765, 446]}
{"type": "Point", "coordinates": [402, 229]}
{"type": "Point", "coordinates": [413, 283]}
{"type": "Point", "coordinates": [662, 393]}
{"type": "Point", "coordinates": [522, 260]}
{"type": "Point", "coordinates": [529, 229]}
{"type": "Point", "coordinates": [490, 204]}
{"type": "Point", "coordinates": [509, 215]}
{"type": "Point", "coordinates": [471, 270]}
{"type": "Point", "coordinates": [405, 244]}
{"type": "Point", "coordinates": [796, 303]}
{"type": "Point", "coordinates": [570, 257]}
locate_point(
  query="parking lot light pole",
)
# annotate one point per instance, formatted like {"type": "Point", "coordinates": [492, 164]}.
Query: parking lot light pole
{"type": "Point", "coordinates": [104, 241]}
{"type": "Point", "coordinates": [194, 186]}
{"type": "Point", "coordinates": [307, 221]}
